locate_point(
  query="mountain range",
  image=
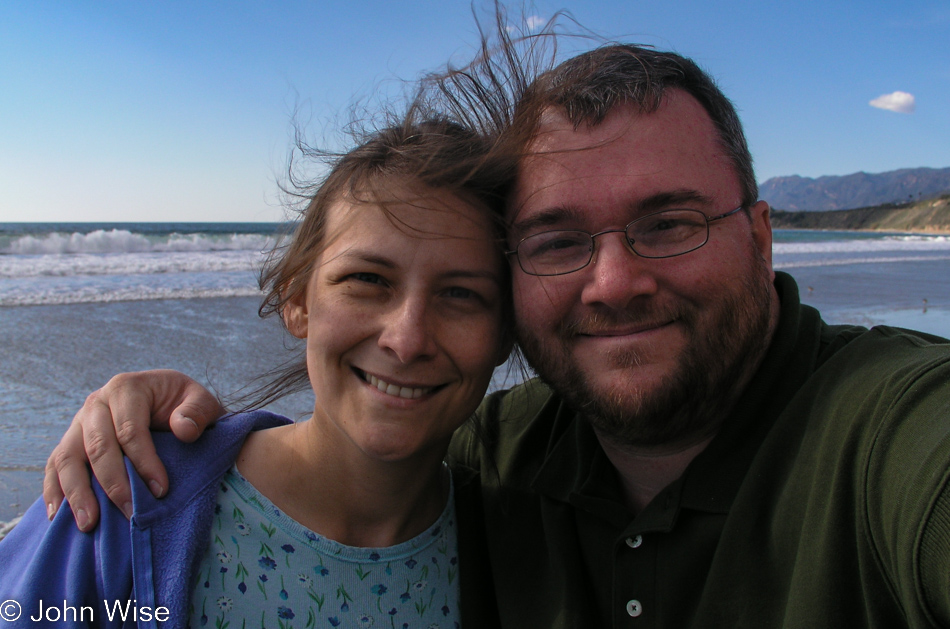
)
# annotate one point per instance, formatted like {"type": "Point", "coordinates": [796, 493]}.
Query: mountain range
{"type": "Point", "coordinates": [794, 193]}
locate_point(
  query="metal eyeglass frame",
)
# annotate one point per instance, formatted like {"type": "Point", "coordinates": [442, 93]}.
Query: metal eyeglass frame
{"type": "Point", "coordinates": [630, 242]}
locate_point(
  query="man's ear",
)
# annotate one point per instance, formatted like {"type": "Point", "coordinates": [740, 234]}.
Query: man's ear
{"type": "Point", "coordinates": [295, 315]}
{"type": "Point", "coordinates": [762, 232]}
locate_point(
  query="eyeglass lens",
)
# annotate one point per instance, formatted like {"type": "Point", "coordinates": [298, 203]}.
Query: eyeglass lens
{"type": "Point", "coordinates": [660, 235]}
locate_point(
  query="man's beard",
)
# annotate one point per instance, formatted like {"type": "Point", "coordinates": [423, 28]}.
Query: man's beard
{"type": "Point", "coordinates": [690, 401]}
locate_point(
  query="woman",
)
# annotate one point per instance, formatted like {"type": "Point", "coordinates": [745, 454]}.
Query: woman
{"type": "Point", "coordinates": [396, 281]}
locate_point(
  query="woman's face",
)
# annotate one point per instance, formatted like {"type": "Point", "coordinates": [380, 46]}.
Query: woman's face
{"type": "Point", "coordinates": [403, 318]}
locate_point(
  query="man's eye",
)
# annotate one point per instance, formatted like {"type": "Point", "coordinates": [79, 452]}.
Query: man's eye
{"type": "Point", "coordinates": [556, 244]}
{"type": "Point", "coordinates": [676, 227]}
{"type": "Point", "coordinates": [562, 243]}
{"type": "Point", "coordinates": [458, 292]}
{"type": "Point", "coordinates": [663, 224]}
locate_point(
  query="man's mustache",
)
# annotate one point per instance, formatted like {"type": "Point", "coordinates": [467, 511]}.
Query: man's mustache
{"type": "Point", "coordinates": [605, 322]}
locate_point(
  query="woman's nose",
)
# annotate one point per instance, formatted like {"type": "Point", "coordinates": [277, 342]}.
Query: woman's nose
{"type": "Point", "coordinates": [407, 332]}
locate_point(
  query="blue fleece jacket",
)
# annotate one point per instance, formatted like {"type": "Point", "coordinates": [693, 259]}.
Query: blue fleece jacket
{"type": "Point", "coordinates": [89, 579]}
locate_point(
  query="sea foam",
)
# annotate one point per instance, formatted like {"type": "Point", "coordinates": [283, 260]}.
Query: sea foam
{"type": "Point", "coordinates": [103, 241]}
{"type": "Point", "coordinates": [13, 266]}
{"type": "Point", "coordinates": [104, 265]}
{"type": "Point", "coordinates": [909, 243]}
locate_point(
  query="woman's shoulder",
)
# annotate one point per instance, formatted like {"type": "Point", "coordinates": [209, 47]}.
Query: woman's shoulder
{"type": "Point", "coordinates": [190, 466]}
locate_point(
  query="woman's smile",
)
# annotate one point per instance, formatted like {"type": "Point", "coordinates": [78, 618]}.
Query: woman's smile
{"type": "Point", "coordinates": [390, 387]}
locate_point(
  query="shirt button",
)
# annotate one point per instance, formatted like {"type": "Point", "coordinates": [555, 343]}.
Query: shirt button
{"type": "Point", "coordinates": [634, 542]}
{"type": "Point", "coordinates": [634, 608]}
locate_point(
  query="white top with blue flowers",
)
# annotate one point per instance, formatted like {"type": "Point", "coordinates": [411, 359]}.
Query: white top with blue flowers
{"type": "Point", "coordinates": [263, 569]}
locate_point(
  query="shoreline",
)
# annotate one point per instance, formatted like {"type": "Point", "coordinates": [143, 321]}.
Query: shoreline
{"type": "Point", "coordinates": [931, 216]}
{"type": "Point", "coordinates": [896, 232]}
{"type": "Point", "coordinates": [6, 527]}
{"type": "Point", "coordinates": [65, 351]}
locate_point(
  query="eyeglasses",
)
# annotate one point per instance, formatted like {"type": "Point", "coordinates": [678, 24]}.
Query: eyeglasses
{"type": "Point", "coordinates": [661, 235]}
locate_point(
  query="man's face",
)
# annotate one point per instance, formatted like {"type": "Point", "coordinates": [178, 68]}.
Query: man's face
{"type": "Point", "coordinates": [652, 351]}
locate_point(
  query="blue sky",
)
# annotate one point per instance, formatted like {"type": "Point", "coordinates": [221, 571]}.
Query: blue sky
{"type": "Point", "coordinates": [180, 111]}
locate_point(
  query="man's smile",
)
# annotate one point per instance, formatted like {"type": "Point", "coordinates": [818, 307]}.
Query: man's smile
{"type": "Point", "coordinates": [633, 329]}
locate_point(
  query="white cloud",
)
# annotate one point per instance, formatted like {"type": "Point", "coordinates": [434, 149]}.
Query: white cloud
{"type": "Point", "coordinates": [901, 102]}
{"type": "Point", "coordinates": [534, 22]}
{"type": "Point", "coordinates": [531, 24]}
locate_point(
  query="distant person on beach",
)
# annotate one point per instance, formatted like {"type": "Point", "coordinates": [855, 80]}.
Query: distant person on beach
{"type": "Point", "coordinates": [396, 280]}
{"type": "Point", "coordinates": [700, 449]}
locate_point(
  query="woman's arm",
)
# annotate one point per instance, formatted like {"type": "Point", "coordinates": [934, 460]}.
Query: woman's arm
{"type": "Point", "coordinates": [115, 421]}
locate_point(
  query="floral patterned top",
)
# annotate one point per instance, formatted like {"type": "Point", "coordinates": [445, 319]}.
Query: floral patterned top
{"type": "Point", "coordinates": [263, 569]}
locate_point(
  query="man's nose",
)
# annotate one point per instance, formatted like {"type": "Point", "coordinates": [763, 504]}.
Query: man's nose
{"type": "Point", "coordinates": [616, 274]}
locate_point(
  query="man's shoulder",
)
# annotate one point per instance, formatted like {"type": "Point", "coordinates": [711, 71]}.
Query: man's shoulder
{"type": "Point", "coordinates": [524, 415]}
{"type": "Point", "coordinates": [870, 383]}
{"type": "Point", "coordinates": [518, 405]}
{"type": "Point", "coordinates": [882, 349]}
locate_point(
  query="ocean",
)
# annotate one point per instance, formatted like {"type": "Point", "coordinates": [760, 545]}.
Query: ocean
{"type": "Point", "coordinates": [69, 263]}
{"type": "Point", "coordinates": [80, 302]}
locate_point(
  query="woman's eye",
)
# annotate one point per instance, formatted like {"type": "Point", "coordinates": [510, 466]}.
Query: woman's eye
{"type": "Point", "coordinates": [369, 278]}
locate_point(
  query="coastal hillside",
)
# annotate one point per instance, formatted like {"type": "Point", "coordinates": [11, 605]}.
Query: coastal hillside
{"type": "Point", "coordinates": [931, 215]}
{"type": "Point", "coordinates": [857, 190]}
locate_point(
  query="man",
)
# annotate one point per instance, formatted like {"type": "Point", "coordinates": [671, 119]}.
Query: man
{"type": "Point", "coordinates": [704, 451]}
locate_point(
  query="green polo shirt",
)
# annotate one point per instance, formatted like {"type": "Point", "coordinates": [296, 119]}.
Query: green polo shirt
{"type": "Point", "coordinates": [822, 502]}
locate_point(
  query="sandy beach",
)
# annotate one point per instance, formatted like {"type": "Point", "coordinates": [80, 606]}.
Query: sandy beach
{"type": "Point", "coordinates": [55, 355]}
{"type": "Point", "coordinates": [908, 294]}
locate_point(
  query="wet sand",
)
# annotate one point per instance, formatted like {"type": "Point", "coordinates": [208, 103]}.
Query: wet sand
{"type": "Point", "coordinates": [54, 355]}
{"type": "Point", "coordinates": [913, 295]}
